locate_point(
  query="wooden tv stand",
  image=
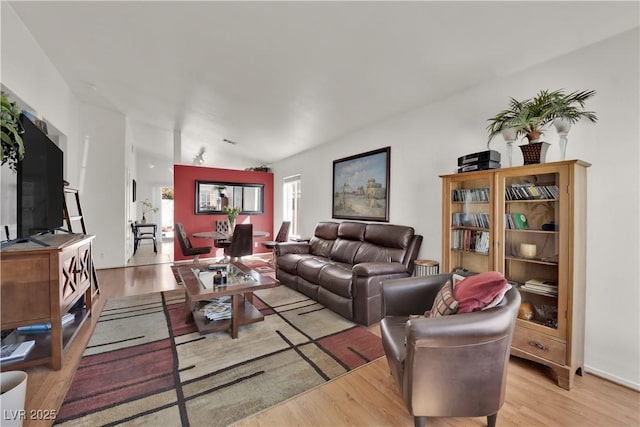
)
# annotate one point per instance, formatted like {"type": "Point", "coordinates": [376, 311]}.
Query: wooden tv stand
{"type": "Point", "coordinates": [39, 284]}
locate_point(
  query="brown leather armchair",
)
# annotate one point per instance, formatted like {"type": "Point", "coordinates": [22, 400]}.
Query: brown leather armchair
{"type": "Point", "coordinates": [450, 366]}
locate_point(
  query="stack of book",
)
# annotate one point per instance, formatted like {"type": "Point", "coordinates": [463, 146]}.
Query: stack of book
{"type": "Point", "coordinates": [66, 319]}
{"type": "Point", "coordinates": [543, 286]}
{"type": "Point", "coordinates": [217, 310]}
{"type": "Point", "coordinates": [15, 351]}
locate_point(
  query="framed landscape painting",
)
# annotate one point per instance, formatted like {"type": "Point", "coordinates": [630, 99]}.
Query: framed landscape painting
{"type": "Point", "coordinates": [361, 186]}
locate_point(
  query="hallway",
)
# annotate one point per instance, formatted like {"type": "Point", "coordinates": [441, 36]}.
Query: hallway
{"type": "Point", "coordinates": [145, 255]}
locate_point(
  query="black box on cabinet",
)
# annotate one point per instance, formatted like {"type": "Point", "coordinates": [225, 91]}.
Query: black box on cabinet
{"type": "Point", "coordinates": [480, 166]}
{"type": "Point", "coordinates": [481, 157]}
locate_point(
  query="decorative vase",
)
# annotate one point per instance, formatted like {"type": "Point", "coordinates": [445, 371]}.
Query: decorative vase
{"type": "Point", "coordinates": [562, 126]}
{"type": "Point", "coordinates": [534, 152]}
{"type": "Point", "coordinates": [143, 220]}
{"type": "Point", "coordinates": [509, 135]}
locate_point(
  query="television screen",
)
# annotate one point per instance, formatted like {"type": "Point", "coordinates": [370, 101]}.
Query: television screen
{"type": "Point", "coordinates": [39, 183]}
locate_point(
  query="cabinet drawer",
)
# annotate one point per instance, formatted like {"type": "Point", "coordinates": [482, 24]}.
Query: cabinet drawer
{"type": "Point", "coordinates": [25, 291]}
{"type": "Point", "coordinates": [540, 345]}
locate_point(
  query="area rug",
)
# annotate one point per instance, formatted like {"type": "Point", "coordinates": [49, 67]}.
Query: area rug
{"type": "Point", "coordinates": [145, 366]}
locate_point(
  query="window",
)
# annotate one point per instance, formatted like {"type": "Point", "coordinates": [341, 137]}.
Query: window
{"type": "Point", "coordinates": [291, 203]}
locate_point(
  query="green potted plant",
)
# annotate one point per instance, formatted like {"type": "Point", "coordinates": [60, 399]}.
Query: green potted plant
{"type": "Point", "coordinates": [232, 214]}
{"type": "Point", "coordinates": [530, 118]}
{"type": "Point", "coordinates": [12, 146]}
{"type": "Point", "coordinates": [147, 207]}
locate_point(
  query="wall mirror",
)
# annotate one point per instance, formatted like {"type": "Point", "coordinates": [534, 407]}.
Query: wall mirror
{"type": "Point", "coordinates": [212, 197]}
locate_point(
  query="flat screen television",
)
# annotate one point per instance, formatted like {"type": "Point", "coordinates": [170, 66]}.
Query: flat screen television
{"type": "Point", "coordinates": [40, 188]}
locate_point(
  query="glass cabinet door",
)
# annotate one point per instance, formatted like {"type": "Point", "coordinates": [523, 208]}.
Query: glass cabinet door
{"type": "Point", "coordinates": [467, 232]}
{"type": "Point", "coordinates": [530, 223]}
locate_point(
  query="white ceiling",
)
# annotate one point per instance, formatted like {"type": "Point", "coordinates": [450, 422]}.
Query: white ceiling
{"type": "Point", "coordinates": [282, 77]}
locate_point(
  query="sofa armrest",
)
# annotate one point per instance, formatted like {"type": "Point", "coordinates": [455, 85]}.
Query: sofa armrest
{"type": "Point", "coordinates": [370, 269]}
{"type": "Point", "coordinates": [411, 295]}
{"type": "Point", "coordinates": [284, 248]}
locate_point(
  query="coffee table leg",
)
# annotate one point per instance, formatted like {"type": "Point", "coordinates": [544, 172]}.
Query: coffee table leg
{"type": "Point", "coordinates": [188, 308]}
{"type": "Point", "coordinates": [234, 315]}
{"type": "Point", "coordinates": [249, 297]}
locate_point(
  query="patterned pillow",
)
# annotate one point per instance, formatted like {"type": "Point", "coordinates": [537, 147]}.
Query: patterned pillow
{"type": "Point", "coordinates": [475, 292]}
{"type": "Point", "coordinates": [444, 303]}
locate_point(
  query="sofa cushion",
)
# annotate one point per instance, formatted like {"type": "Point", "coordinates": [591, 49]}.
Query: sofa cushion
{"type": "Point", "coordinates": [323, 238]}
{"type": "Point", "coordinates": [309, 268]}
{"type": "Point", "coordinates": [352, 230]}
{"type": "Point", "coordinates": [289, 262]}
{"type": "Point", "coordinates": [337, 278]}
{"type": "Point", "coordinates": [475, 292]}
{"type": "Point", "coordinates": [320, 247]}
{"type": "Point", "coordinates": [345, 250]}
{"type": "Point", "coordinates": [326, 230]}
{"type": "Point", "coordinates": [368, 252]}
{"type": "Point", "coordinates": [388, 235]}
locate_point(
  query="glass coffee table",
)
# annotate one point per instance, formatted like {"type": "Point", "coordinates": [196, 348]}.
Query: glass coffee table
{"type": "Point", "coordinates": [235, 280]}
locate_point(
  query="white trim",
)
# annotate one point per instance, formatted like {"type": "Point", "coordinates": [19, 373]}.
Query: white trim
{"type": "Point", "coordinates": [613, 378]}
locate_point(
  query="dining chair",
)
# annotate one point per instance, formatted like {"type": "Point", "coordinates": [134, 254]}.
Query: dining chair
{"type": "Point", "coordinates": [241, 241]}
{"type": "Point", "coordinates": [282, 236]}
{"type": "Point", "coordinates": [222, 228]}
{"type": "Point", "coordinates": [139, 235]}
{"type": "Point", "coordinates": [186, 247]}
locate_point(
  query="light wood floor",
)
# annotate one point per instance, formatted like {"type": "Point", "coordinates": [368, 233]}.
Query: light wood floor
{"type": "Point", "coordinates": [368, 395]}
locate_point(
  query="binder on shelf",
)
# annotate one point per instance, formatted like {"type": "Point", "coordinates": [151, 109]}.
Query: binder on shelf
{"type": "Point", "coordinates": [66, 319]}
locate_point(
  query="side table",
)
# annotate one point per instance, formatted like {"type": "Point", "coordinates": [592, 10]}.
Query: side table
{"type": "Point", "coordinates": [426, 267]}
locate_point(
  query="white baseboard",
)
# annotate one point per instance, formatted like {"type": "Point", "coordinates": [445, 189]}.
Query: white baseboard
{"type": "Point", "coordinates": [612, 378]}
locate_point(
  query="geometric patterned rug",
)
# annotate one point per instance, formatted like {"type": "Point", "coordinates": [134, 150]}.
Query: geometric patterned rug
{"type": "Point", "coordinates": [145, 366]}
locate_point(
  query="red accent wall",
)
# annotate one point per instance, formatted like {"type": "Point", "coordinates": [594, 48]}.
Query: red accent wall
{"type": "Point", "coordinates": [184, 205]}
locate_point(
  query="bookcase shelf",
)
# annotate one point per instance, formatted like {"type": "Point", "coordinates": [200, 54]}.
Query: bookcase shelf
{"type": "Point", "coordinates": [519, 201]}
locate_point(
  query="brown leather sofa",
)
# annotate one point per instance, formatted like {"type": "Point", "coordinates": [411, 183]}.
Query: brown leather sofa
{"type": "Point", "coordinates": [343, 264]}
{"type": "Point", "coordinates": [449, 366]}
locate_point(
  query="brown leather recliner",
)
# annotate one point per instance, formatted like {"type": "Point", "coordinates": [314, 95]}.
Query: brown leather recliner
{"type": "Point", "coordinates": [449, 366]}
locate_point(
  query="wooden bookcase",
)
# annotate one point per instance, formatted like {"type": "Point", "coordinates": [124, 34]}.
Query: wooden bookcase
{"type": "Point", "coordinates": [483, 214]}
{"type": "Point", "coordinates": [39, 285]}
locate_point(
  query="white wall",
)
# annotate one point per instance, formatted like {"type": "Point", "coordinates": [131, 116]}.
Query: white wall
{"type": "Point", "coordinates": [94, 138]}
{"type": "Point", "coordinates": [426, 143]}
{"type": "Point", "coordinates": [104, 197]}
{"type": "Point", "coordinates": [28, 73]}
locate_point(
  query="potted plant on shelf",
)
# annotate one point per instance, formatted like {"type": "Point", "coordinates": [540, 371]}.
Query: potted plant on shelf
{"type": "Point", "coordinates": [12, 146]}
{"type": "Point", "coordinates": [147, 207]}
{"type": "Point", "coordinates": [530, 118]}
{"type": "Point", "coordinates": [232, 214]}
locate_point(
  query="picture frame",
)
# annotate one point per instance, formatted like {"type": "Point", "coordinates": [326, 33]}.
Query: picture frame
{"type": "Point", "coordinates": [360, 188]}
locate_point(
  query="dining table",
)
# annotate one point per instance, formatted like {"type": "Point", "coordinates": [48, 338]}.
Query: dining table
{"type": "Point", "coordinates": [216, 235]}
